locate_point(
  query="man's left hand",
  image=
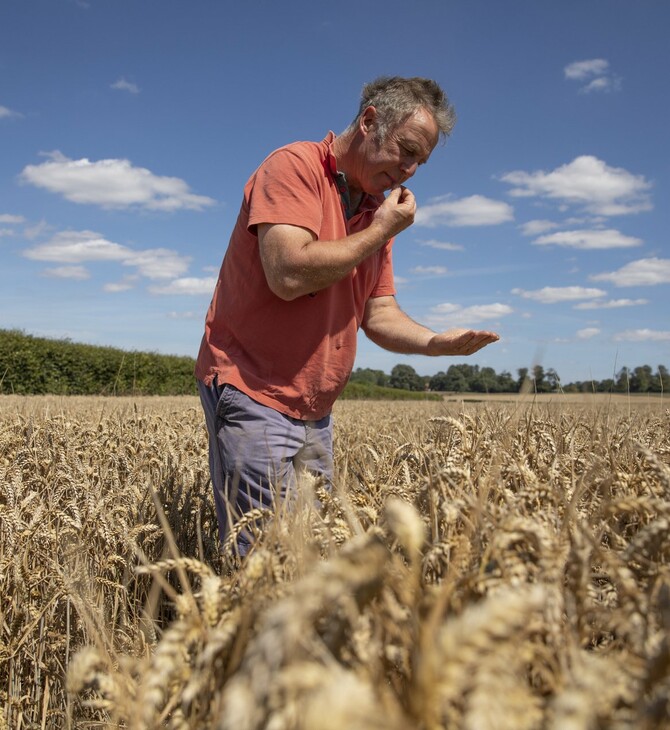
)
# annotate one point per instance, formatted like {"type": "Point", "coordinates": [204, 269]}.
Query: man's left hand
{"type": "Point", "coordinates": [460, 341]}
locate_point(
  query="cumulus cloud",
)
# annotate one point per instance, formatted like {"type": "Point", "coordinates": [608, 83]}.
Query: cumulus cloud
{"type": "Point", "coordinates": [430, 270]}
{"type": "Point", "coordinates": [449, 315]}
{"type": "Point", "coordinates": [67, 272]}
{"type": "Point", "coordinates": [123, 85]}
{"type": "Point", "coordinates": [589, 239]}
{"type": "Point", "coordinates": [534, 228]}
{"type": "Point", "coordinates": [587, 182]}
{"type": "Point", "coordinates": [612, 304]}
{"type": "Point", "coordinates": [442, 245]}
{"type": "Point", "coordinates": [643, 335]}
{"type": "Point", "coordinates": [7, 113]}
{"type": "Point", "coordinates": [184, 315]}
{"type": "Point", "coordinates": [114, 287]}
{"type": "Point", "coordinates": [187, 285]}
{"type": "Point", "coordinates": [475, 210]}
{"type": "Point", "coordinates": [158, 263]}
{"type": "Point", "coordinates": [554, 294]}
{"type": "Point", "coordinates": [596, 71]}
{"type": "Point", "coordinates": [587, 333]}
{"type": "Point", "coordinates": [75, 247]}
{"type": "Point", "coordinates": [12, 219]}
{"type": "Point", "coordinates": [581, 70]}
{"type": "Point", "coordinates": [112, 183]}
{"type": "Point", "coordinates": [643, 272]}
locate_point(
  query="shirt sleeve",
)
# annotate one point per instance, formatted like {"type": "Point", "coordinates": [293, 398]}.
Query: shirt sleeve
{"type": "Point", "coordinates": [385, 285]}
{"type": "Point", "coordinates": [285, 189]}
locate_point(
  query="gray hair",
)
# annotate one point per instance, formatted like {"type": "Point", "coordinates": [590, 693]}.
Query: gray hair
{"type": "Point", "coordinates": [396, 98]}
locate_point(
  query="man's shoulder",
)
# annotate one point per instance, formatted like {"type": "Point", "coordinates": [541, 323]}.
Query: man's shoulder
{"type": "Point", "coordinates": [309, 151]}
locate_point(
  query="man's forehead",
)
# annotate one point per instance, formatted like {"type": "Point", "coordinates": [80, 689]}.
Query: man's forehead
{"type": "Point", "coordinates": [421, 127]}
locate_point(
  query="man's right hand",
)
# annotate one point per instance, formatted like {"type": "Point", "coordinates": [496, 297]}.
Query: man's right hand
{"type": "Point", "coordinates": [397, 212]}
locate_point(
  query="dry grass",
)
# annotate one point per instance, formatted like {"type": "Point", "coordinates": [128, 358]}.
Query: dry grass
{"type": "Point", "coordinates": [480, 565]}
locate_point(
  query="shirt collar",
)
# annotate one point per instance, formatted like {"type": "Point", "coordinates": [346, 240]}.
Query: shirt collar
{"type": "Point", "coordinates": [340, 180]}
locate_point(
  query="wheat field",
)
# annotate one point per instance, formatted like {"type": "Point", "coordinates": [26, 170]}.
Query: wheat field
{"type": "Point", "coordinates": [479, 564]}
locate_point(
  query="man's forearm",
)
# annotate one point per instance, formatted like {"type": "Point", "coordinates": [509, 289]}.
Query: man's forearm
{"type": "Point", "coordinates": [294, 270]}
{"type": "Point", "coordinates": [389, 327]}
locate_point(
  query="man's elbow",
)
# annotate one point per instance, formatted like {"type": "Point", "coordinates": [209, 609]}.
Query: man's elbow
{"type": "Point", "coordinates": [285, 287]}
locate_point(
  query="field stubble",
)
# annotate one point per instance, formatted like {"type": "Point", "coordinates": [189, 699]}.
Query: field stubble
{"type": "Point", "coordinates": [478, 565]}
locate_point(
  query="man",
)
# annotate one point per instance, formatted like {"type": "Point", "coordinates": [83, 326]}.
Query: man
{"type": "Point", "coordinates": [308, 263]}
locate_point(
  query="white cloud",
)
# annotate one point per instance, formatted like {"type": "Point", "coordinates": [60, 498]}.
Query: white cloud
{"type": "Point", "coordinates": [643, 335]}
{"type": "Point", "coordinates": [589, 239]}
{"type": "Point", "coordinates": [554, 294]}
{"type": "Point", "coordinates": [6, 113]}
{"type": "Point", "coordinates": [112, 184]}
{"type": "Point", "coordinates": [67, 272]}
{"type": "Point", "coordinates": [158, 263]}
{"type": "Point", "coordinates": [74, 247]}
{"type": "Point", "coordinates": [430, 270]}
{"type": "Point", "coordinates": [586, 181]}
{"type": "Point", "coordinates": [643, 272]}
{"type": "Point", "coordinates": [12, 219]}
{"type": "Point", "coordinates": [604, 83]}
{"type": "Point", "coordinates": [399, 280]}
{"type": "Point", "coordinates": [596, 71]}
{"type": "Point", "coordinates": [587, 333]}
{"type": "Point", "coordinates": [442, 245]}
{"type": "Point", "coordinates": [6, 232]}
{"type": "Point", "coordinates": [185, 315]}
{"type": "Point", "coordinates": [612, 304]}
{"type": "Point", "coordinates": [35, 231]}
{"type": "Point", "coordinates": [533, 228]}
{"type": "Point", "coordinates": [581, 70]}
{"type": "Point", "coordinates": [475, 210]}
{"type": "Point", "coordinates": [188, 285]}
{"type": "Point", "coordinates": [118, 286]}
{"type": "Point", "coordinates": [449, 315]}
{"type": "Point", "coordinates": [123, 85]}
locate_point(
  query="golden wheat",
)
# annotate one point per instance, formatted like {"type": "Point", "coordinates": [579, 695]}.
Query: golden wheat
{"type": "Point", "coordinates": [477, 565]}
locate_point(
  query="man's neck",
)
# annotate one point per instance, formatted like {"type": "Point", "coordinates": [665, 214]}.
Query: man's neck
{"type": "Point", "coordinates": [345, 154]}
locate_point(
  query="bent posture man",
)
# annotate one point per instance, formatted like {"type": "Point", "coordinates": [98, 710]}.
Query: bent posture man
{"type": "Point", "coordinates": [308, 263]}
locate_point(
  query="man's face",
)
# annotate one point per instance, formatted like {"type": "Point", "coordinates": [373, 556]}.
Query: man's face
{"type": "Point", "coordinates": [392, 162]}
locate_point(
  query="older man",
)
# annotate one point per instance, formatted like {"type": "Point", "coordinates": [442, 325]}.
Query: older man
{"type": "Point", "coordinates": [307, 265]}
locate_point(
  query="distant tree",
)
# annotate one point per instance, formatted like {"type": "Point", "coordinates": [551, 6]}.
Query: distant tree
{"type": "Point", "coordinates": [484, 381]}
{"type": "Point", "coordinates": [553, 381]}
{"type": "Point", "coordinates": [456, 380]}
{"type": "Point", "coordinates": [523, 381]}
{"type": "Point", "coordinates": [436, 381]}
{"type": "Point", "coordinates": [539, 380]}
{"type": "Point", "coordinates": [406, 377]}
{"type": "Point", "coordinates": [623, 381]}
{"type": "Point", "coordinates": [368, 375]}
{"type": "Point", "coordinates": [641, 379]}
{"type": "Point", "coordinates": [662, 380]}
{"type": "Point", "coordinates": [506, 383]}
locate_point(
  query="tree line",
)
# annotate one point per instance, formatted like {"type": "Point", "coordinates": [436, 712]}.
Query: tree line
{"type": "Point", "coordinates": [40, 365]}
{"type": "Point", "coordinates": [465, 378]}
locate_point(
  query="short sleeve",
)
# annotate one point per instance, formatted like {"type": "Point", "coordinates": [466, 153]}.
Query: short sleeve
{"type": "Point", "coordinates": [385, 285]}
{"type": "Point", "coordinates": [286, 189]}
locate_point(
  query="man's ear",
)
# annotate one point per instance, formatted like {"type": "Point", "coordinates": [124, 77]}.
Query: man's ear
{"type": "Point", "coordinates": [367, 120]}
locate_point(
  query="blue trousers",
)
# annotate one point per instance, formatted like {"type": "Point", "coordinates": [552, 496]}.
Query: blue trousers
{"type": "Point", "coordinates": [255, 454]}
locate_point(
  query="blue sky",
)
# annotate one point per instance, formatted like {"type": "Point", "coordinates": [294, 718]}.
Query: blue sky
{"type": "Point", "coordinates": [129, 127]}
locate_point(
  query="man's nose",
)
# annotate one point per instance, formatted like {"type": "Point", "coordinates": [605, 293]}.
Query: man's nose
{"type": "Point", "coordinates": [408, 168]}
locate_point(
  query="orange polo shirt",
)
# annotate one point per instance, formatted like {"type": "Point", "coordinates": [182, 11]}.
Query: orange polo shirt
{"type": "Point", "coordinates": [295, 357]}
